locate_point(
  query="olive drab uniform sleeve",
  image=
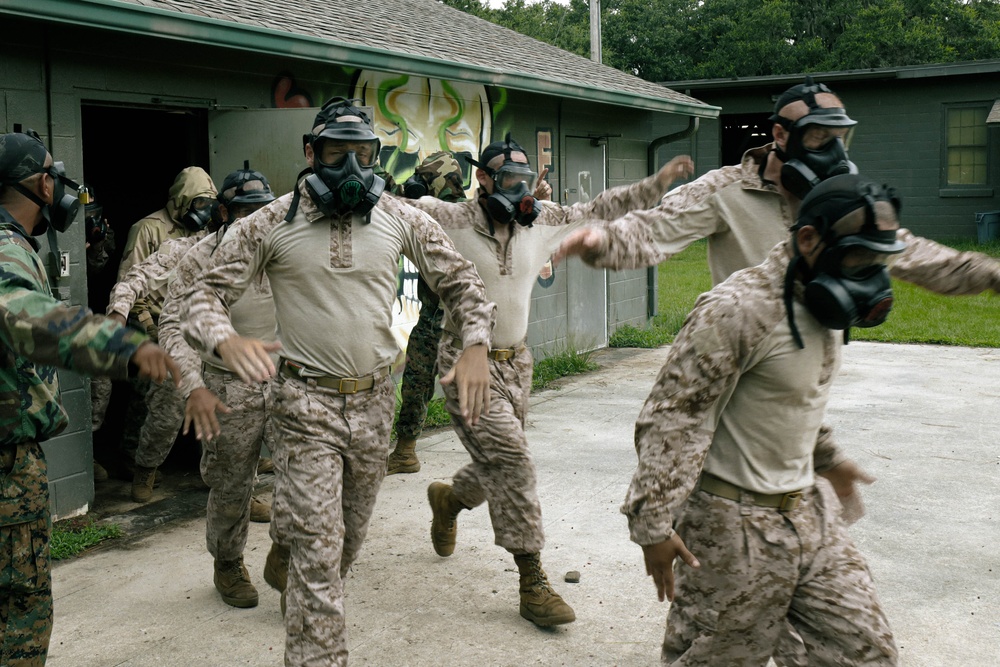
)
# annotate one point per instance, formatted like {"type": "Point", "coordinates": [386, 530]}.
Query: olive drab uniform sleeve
{"type": "Point", "coordinates": [942, 269]}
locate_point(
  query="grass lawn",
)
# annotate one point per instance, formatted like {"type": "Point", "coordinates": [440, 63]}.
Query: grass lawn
{"type": "Point", "coordinates": [918, 316]}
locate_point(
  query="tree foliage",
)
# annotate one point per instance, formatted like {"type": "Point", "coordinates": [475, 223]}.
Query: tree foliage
{"type": "Point", "coordinates": [670, 40]}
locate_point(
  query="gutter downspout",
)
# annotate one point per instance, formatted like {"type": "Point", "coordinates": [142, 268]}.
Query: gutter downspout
{"type": "Point", "coordinates": [652, 291]}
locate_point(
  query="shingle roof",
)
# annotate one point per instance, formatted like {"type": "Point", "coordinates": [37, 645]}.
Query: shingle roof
{"type": "Point", "coordinates": [408, 36]}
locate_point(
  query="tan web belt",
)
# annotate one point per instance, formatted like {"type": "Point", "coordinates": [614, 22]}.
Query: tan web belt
{"type": "Point", "coordinates": [786, 502]}
{"type": "Point", "coordinates": [341, 385]}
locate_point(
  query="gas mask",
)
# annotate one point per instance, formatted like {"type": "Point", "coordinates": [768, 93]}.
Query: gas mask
{"type": "Point", "coordinates": [845, 294]}
{"type": "Point", "coordinates": [804, 168]}
{"type": "Point", "coordinates": [848, 285]}
{"type": "Point", "coordinates": [438, 175]}
{"type": "Point", "coordinates": [198, 216]}
{"type": "Point", "coordinates": [511, 199]}
{"type": "Point", "coordinates": [344, 187]}
{"type": "Point", "coordinates": [64, 207]}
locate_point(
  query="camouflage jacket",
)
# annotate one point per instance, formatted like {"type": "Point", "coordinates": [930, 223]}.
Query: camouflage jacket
{"type": "Point", "coordinates": [334, 282]}
{"type": "Point", "coordinates": [734, 389]}
{"type": "Point", "coordinates": [743, 218]}
{"type": "Point", "coordinates": [509, 273]}
{"type": "Point", "coordinates": [147, 280]}
{"type": "Point", "coordinates": [36, 328]}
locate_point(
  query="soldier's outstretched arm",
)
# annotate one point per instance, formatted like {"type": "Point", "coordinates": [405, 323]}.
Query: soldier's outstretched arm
{"type": "Point", "coordinates": [944, 270]}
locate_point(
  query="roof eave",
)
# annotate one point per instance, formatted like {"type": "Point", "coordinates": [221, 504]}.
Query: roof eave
{"type": "Point", "coordinates": [154, 22]}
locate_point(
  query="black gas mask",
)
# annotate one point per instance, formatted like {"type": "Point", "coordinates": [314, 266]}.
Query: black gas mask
{"type": "Point", "coordinates": [65, 204]}
{"type": "Point", "coordinates": [199, 214]}
{"type": "Point", "coordinates": [511, 199]}
{"type": "Point", "coordinates": [344, 187]}
{"type": "Point", "coordinates": [848, 285]}
{"type": "Point", "coordinates": [804, 167]}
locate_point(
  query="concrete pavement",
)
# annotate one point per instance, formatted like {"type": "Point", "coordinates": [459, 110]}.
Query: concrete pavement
{"type": "Point", "coordinates": [922, 419]}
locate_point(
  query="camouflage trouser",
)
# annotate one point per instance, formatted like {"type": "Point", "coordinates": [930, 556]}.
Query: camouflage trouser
{"type": "Point", "coordinates": [166, 416]}
{"type": "Point", "coordinates": [762, 571]}
{"type": "Point", "coordinates": [421, 368]}
{"type": "Point", "coordinates": [136, 412]}
{"type": "Point", "coordinates": [502, 471]}
{"type": "Point", "coordinates": [330, 452]}
{"type": "Point", "coordinates": [25, 594]}
{"type": "Point", "coordinates": [229, 462]}
{"type": "Point", "coordinates": [100, 396]}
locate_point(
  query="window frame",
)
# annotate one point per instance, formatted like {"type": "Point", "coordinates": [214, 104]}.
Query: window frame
{"type": "Point", "coordinates": [947, 189]}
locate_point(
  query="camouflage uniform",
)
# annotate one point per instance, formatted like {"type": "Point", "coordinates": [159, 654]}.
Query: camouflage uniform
{"type": "Point", "coordinates": [37, 329]}
{"type": "Point", "coordinates": [762, 568]}
{"type": "Point", "coordinates": [144, 239]}
{"type": "Point", "coordinates": [332, 279]}
{"type": "Point", "coordinates": [228, 462]}
{"type": "Point", "coordinates": [743, 218]}
{"type": "Point", "coordinates": [146, 282]}
{"type": "Point", "coordinates": [502, 472]}
{"type": "Point", "coordinates": [417, 387]}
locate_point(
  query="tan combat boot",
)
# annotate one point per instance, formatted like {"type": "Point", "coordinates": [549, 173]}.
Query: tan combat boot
{"type": "Point", "coordinates": [539, 603]}
{"type": "Point", "coordinates": [233, 582]}
{"type": "Point", "coordinates": [444, 526]}
{"type": "Point", "coordinates": [142, 484]}
{"type": "Point", "coordinates": [276, 567]}
{"type": "Point", "coordinates": [403, 458]}
{"type": "Point", "coordinates": [260, 510]}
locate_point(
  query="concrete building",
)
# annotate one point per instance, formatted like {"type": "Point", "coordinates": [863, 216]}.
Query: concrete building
{"type": "Point", "coordinates": [129, 92]}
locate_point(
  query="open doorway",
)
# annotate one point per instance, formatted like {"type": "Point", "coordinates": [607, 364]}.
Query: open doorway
{"type": "Point", "coordinates": [131, 156]}
{"type": "Point", "coordinates": [741, 132]}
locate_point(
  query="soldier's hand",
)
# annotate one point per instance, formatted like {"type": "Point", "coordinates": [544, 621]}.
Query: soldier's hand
{"type": "Point", "coordinates": [153, 363]}
{"type": "Point", "coordinates": [660, 564]}
{"type": "Point", "coordinates": [543, 190]}
{"type": "Point", "coordinates": [579, 243]}
{"type": "Point", "coordinates": [249, 358]}
{"type": "Point", "coordinates": [200, 410]}
{"type": "Point", "coordinates": [681, 166]}
{"type": "Point", "coordinates": [118, 317]}
{"type": "Point", "coordinates": [844, 478]}
{"type": "Point", "coordinates": [472, 375]}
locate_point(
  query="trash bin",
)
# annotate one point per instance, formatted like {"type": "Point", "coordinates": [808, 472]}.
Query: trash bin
{"type": "Point", "coordinates": [988, 226]}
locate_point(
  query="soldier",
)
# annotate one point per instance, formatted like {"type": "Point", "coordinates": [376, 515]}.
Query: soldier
{"type": "Point", "coordinates": [187, 212]}
{"type": "Point", "coordinates": [729, 438]}
{"type": "Point", "coordinates": [440, 176]}
{"type": "Point", "coordinates": [231, 442]}
{"type": "Point", "coordinates": [330, 250]}
{"type": "Point", "coordinates": [505, 229]}
{"type": "Point", "coordinates": [143, 288]}
{"type": "Point", "coordinates": [744, 210]}
{"type": "Point", "coordinates": [37, 334]}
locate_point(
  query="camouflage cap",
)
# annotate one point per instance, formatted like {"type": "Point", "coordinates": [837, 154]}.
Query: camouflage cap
{"type": "Point", "coordinates": [22, 154]}
{"type": "Point", "coordinates": [245, 186]}
{"type": "Point", "coordinates": [437, 170]}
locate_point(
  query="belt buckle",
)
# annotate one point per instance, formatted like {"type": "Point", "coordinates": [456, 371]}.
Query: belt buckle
{"type": "Point", "coordinates": [502, 355]}
{"type": "Point", "coordinates": [790, 501]}
{"type": "Point", "coordinates": [353, 387]}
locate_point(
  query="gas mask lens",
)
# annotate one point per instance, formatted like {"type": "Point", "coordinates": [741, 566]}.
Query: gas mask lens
{"type": "Point", "coordinates": [858, 262]}
{"type": "Point", "coordinates": [333, 152]}
{"type": "Point", "coordinates": [511, 174]}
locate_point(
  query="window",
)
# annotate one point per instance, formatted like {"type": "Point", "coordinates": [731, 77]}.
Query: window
{"type": "Point", "coordinates": [966, 141]}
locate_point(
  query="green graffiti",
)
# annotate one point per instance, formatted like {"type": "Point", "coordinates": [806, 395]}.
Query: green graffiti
{"type": "Point", "coordinates": [443, 130]}
{"type": "Point", "coordinates": [399, 121]}
{"type": "Point", "coordinates": [501, 102]}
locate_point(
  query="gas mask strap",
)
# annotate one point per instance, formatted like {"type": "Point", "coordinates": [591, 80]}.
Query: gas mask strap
{"type": "Point", "coordinates": [29, 194]}
{"type": "Point", "coordinates": [789, 295]}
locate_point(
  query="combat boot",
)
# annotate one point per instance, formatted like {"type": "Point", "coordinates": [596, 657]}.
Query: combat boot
{"type": "Point", "coordinates": [260, 510]}
{"type": "Point", "coordinates": [276, 567]}
{"type": "Point", "coordinates": [403, 458]}
{"type": "Point", "coordinates": [539, 603]}
{"type": "Point", "coordinates": [142, 484]}
{"type": "Point", "coordinates": [233, 583]}
{"type": "Point", "coordinates": [444, 526]}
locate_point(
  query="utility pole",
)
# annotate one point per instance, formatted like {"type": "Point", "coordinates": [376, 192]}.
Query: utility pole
{"type": "Point", "coordinates": [595, 30]}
